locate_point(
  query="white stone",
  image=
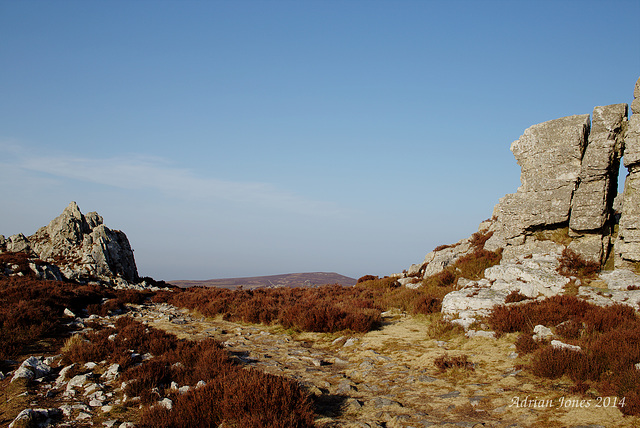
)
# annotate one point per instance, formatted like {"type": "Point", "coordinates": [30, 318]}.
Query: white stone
{"type": "Point", "coordinates": [112, 372]}
{"type": "Point", "coordinates": [63, 375]}
{"type": "Point", "coordinates": [481, 333]}
{"type": "Point", "coordinates": [560, 345]}
{"type": "Point", "coordinates": [351, 341]}
{"type": "Point", "coordinates": [77, 381]}
{"type": "Point", "coordinates": [166, 403]}
{"type": "Point", "coordinates": [31, 368]}
{"type": "Point", "coordinates": [473, 302]}
{"type": "Point", "coordinates": [620, 279]}
{"type": "Point", "coordinates": [541, 333]}
{"type": "Point", "coordinates": [83, 416]}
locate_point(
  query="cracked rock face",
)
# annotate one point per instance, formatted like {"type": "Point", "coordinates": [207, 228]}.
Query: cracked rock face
{"type": "Point", "coordinates": [550, 156]}
{"type": "Point", "coordinates": [81, 245]}
{"type": "Point", "coordinates": [594, 195]}
{"type": "Point", "coordinates": [627, 246]}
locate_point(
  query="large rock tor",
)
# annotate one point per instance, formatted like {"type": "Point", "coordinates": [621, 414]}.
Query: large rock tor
{"type": "Point", "coordinates": [81, 245]}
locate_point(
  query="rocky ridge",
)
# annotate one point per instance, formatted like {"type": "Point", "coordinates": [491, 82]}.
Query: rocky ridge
{"type": "Point", "coordinates": [567, 199]}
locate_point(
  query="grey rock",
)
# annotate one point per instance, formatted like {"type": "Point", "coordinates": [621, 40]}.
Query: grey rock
{"type": "Point", "coordinates": [384, 402]}
{"type": "Point", "coordinates": [436, 261]}
{"type": "Point", "coordinates": [620, 279]}
{"type": "Point", "coordinates": [541, 333]}
{"type": "Point", "coordinates": [561, 345]}
{"type": "Point", "coordinates": [18, 243]}
{"type": "Point", "coordinates": [166, 403]}
{"type": "Point", "coordinates": [635, 105]}
{"type": "Point", "coordinates": [31, 368]}
{"type": "Point", "coordinates": [549, 155]}
{"type": "Point", "coordinates": [627, 245]}
{"type": "Point", "coordinates": [591, 203]}
{"type": "Point", "coordinates": [84, 247]}
{"type": "Point", "coordinates": [36, 418]}
{"type": "Point", "coordinates": [452, 394]}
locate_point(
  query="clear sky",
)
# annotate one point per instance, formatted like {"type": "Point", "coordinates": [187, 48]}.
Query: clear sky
{"type": "Point", "coordinates": [241, 138]}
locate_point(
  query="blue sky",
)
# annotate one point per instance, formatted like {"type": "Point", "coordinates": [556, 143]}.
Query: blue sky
{"type": "Point", "coordinates": [240, 138]}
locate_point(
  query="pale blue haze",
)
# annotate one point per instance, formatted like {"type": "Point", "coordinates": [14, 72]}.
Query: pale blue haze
{"type": "Point", "coordinates": [239, 138]}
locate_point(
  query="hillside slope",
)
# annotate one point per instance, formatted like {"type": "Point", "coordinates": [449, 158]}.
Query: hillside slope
{"type": "Point", "coordinates": [306, 279]}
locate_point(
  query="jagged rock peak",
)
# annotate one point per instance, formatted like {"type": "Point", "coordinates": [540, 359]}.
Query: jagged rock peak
{"type": "Point", "coordinates": [81, 245]}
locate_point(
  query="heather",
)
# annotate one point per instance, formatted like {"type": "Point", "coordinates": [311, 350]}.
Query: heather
{"type": "Point", "coordinates": [229, 392]}
{"type": "Point", "coordinates": [609, 338]}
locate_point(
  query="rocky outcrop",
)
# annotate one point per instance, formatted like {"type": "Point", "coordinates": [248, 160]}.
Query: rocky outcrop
{"type": "Point", "coordinates": [567, 199]}
{"type": "Point", "coordinates": [81, 246]}
{"type": "Point", "coordinates": [569, 179]}
{"type": "Point", "coordinates": [627, 245]}
{"type": "Point", "coordinates": [549, 155]}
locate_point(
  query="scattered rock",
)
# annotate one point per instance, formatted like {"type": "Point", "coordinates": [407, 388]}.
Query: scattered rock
{"type": "Point", "coordinates": [31, 368]}
{"type": "Point", "coordinates": [31, 418]}
{"type": "Point", "coordinates": [541, 333]}
{"type": "Point", "coordinates": [560, 345]}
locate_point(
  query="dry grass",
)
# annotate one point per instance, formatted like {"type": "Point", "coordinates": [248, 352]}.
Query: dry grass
{"type": "Point", "coordinates": [559, 236]}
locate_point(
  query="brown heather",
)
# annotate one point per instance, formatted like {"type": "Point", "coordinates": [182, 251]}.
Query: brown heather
{"type": "Point", "coordinates": [445, 362]}
{"type": "Point", "coordinates": [573, 264]}
{"type": "Point", "coordinates": [233, 394]}
{"type": "Point", "coordinates": [31, 309]}
{"type": "Point", "coordinates": [609, 338]}
{"type": "Point", "coordinates": [515, 296]}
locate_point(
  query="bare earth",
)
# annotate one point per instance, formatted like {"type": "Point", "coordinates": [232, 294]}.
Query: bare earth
{"type": "Point", "coordinates": [388, 378]}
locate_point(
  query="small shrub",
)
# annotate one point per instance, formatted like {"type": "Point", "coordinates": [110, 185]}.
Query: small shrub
{"type": "Point", "coordinates": [551, 363]}
{"type": "Point", "coordinates": [515, 296]}
{"type": "Point", "coordinates": [570, 329]}
{"type": "Point", "coordinates": [445, 362]}
{"type": "Point", "coordinates": [443, 247]}
{"type": "Point", "coordinates": [609, 338]}
{"type": "Point", "coordinates": [573, 264]}
{"type": "Point", "coordinates": [366, 278]}
{"type": "Point", "coordinates": [525, 344]}
{"type": "Point", "coordinates": [478, 239]}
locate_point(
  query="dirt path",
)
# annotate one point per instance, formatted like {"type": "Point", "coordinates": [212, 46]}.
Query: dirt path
{"type": "Point", "coordinates": [387, 378]}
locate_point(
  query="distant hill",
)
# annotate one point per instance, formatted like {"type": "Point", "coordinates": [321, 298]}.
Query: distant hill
{"type": "Point", "coordinates": [307, 279]}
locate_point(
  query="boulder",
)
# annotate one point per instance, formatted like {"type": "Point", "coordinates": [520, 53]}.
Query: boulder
{"type": "Point", "coordinates": [531, 276]}
{"type": "Point", "coordinates": [440, 258]}
{"type": "Point", "coordinates": [541, 332]}
{"type": "Point", "coordinates": [31, 368]}
{"type": "Point", "coordinates": [561, 345]}
{"type": "Point", "coordinates": [17, 243]}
